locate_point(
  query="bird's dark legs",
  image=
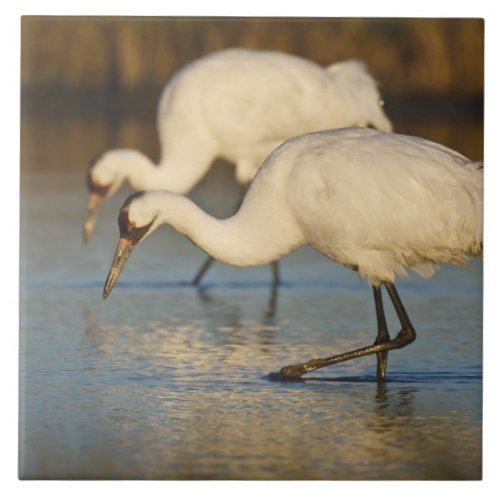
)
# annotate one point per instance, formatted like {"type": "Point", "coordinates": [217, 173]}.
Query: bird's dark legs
{"type": "Point", "coordinates": [407, 333]}
{"type": "Point", "coordinates": [210, 260]}
{"type": "Point", "coordinates": [203, 269]}
{"type": "Point", "coordinates": [273, 298]}
{"type": "Point", "coordinates": [275, 271]}
{"type": "Point", "coordinates": [405, 336]}
{"type": "Point", "coordinates": [382, 335]}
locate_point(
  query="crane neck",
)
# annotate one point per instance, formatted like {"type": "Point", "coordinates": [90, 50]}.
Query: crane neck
{"type": "Point", "coordinates": [255, 235]}
{"type": "Point", "coordinates": [172, 173]}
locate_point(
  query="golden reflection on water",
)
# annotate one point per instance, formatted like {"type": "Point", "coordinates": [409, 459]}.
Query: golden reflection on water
{"type": "Point", "coordinates": [176, 393]}
{"type": "Point", "coordinates": [191, 403]}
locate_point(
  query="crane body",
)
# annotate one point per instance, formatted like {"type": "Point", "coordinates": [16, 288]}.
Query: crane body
{"type": "Point", "coordinates": [375, 202]}
{"type": "Point", "coordinates": [239, 105]}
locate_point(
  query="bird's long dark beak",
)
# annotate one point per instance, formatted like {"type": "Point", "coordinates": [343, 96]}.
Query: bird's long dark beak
{"type": "Point", "coordinates": [95, 200]}
{"type": "Point", "coordinates": [123, 250]}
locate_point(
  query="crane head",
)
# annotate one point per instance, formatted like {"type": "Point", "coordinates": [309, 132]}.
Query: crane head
{"type": "Point", "coordinates": [97, 194]}
{"type": "Point", "coordinates": [104, 177]}
{"type": "Point", "coordinates": [130, 234]}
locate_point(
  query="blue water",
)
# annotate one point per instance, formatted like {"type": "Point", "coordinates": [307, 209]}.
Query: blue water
{"type": "Point", "coordinates": [166, 381]}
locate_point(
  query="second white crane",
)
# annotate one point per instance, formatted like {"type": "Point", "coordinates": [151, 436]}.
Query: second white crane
{"type": "Point", "coordinates": [239, 105]}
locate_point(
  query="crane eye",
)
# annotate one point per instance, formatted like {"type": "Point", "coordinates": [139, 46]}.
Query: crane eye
{"type": "Point", "coordinates": [128, 228]}
{"type": "Point", "coordinates": [124, 223]}
{"type": "Point", "coordinates": [96, 188]}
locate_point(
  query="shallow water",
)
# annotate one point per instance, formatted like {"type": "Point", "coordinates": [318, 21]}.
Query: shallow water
{"type": "Point", "coordinates": [165, 381]}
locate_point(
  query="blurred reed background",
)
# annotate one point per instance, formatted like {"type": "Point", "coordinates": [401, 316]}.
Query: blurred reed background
{"type": "Point", "coordinates": [108, 72]}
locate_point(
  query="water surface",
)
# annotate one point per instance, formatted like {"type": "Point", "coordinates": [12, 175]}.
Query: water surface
{"type": "Point", "coordinates": [166, 381]}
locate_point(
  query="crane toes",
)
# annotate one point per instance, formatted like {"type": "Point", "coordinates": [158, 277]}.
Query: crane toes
{"type": "Point", "coordinates": [293, 372]}
{"type": "Point", "coordinates": [287, 374]}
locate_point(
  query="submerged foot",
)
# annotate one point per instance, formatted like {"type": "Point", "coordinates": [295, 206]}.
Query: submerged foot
{"type": "Point", "coordinates": [292, 372]}
{"type": "Point", "coordinates": [285, 375]}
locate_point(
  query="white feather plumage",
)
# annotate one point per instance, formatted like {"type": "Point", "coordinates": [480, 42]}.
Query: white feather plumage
{"type": "Point", "coordinates": [240, 104]}
{"type": "Point", "coordinates": [373, 201]}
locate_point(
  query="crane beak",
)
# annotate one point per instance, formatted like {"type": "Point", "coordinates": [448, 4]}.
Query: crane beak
{"type": "Point", "coordinates": [122, 253]}
{"type": "Point", "coordinates": [95, 200]}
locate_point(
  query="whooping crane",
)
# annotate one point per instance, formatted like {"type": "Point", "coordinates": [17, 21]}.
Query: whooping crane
{"type": "Point", "coordinates": [375, 202]}
{"type": "Point", "coordinates": [239, 105]}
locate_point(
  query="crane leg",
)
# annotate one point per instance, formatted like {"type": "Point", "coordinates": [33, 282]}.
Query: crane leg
{"type": "Point", "coordinates": [273, 298]}
{"type": "Point", "coordinates": [275, 273]}
{"type": "Point", "coordinates": [382, 335]}
{"type": "Point", "coordinates": [405, 336]}
{"type": "Point", "coordinates": [203, 269]}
